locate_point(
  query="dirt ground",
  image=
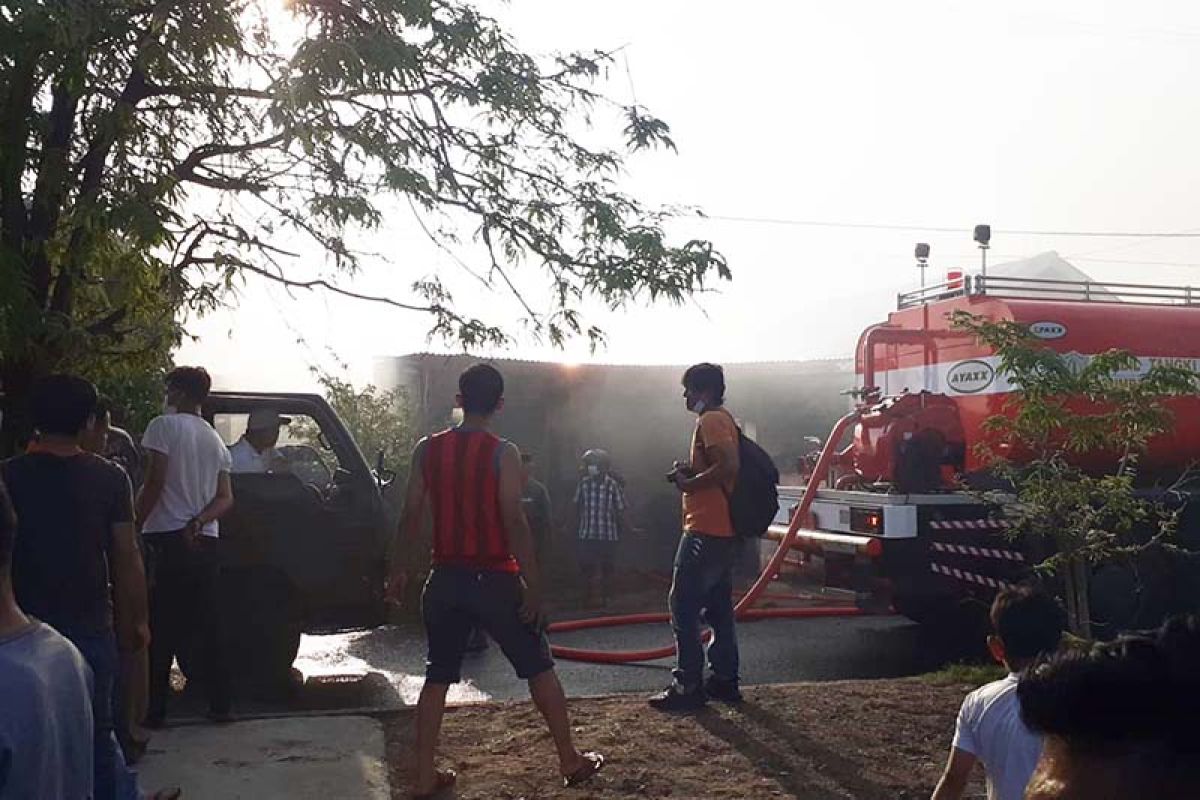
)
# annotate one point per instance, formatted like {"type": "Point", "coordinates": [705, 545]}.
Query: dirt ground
{"type": "Point", "coordinates": [865, 740]}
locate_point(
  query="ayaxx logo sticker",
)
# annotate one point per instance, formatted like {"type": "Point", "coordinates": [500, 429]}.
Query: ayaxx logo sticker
{"type": "Point", "coordinates": [970, 377]}
{"type": "Point", "coordinates": [1048, 330]}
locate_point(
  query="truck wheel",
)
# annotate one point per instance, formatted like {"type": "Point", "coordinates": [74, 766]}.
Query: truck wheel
{"type": "Point", "coordinates": [262, 624]}
{"type": "Point", "coordinates": [923, 609]}
{"type": "Point", "coordinates": [263, 627]}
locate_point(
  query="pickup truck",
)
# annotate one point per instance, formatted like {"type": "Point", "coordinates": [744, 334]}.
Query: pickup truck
{"type": "Point", "coordinates": [304, 548]}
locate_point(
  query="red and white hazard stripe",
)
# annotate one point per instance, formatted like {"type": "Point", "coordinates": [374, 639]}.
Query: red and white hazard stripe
{"type": "Point", "coordinates": [979, 552]}
{"type": "Point", "coordinates": [969, 577]}
{"type": "Point", "coordinates": [967, 524]}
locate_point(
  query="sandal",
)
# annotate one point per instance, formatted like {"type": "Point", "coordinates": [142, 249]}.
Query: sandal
{"type": "Point", "coordinates": [443, 780]}
{"type": "Point", "coordinates": [593, 763]}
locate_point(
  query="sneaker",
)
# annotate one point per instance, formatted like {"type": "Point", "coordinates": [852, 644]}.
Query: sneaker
{"type": "Point", "coordinates": [673, 698]}
{"type": "Point", "coordinates": [723, 690]}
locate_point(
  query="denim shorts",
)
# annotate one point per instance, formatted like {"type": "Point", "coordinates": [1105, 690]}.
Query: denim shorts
{"type": "Point", "coordinates": [457, 600]}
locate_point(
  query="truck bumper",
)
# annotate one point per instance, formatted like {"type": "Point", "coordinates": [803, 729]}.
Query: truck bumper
{"type": "Point", "coordinates": [843, 563]}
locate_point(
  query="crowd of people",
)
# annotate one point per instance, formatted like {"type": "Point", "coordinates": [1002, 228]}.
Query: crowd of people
{"type": "Point", "coordinates": [100, 586]}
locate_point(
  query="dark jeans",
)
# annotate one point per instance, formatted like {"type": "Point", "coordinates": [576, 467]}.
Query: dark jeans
{"type": "Point", "coordinates": [702, 585]}
{"type": "Point", "coordinates": [113, 779]}
{"type": "Point", "coordinates": [185, 606]}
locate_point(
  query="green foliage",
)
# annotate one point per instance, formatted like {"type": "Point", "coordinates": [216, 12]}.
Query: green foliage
{"type": "Point", "coordinates": [969, 674]}
{"type": "Point", "coordinates": [154, 155]}
{"type": "Point", "coordinates": [379, 421]}
{"type": "Point", "coordinates": [1068, 407]}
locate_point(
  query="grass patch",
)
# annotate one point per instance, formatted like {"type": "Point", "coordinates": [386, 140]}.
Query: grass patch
{"type": "Point", "coordinates": [973, 674]}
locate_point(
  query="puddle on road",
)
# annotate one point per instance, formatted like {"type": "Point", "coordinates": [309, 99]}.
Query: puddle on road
{"type": "Point", "coordinates": [354, 656]}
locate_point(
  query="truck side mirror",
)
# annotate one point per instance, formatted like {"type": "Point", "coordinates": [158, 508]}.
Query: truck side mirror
{"type": "Point", "coordinates": [383, 476]}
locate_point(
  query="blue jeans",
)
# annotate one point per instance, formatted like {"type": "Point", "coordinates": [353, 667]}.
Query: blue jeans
{"type": "Point", "coordinates": [113, 778]}
{"type": "Point", "coordinates": [702, 585]}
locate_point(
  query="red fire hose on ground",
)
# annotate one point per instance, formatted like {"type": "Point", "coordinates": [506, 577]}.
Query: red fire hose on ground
{"type": "Point", "coordinates": [744, 608]}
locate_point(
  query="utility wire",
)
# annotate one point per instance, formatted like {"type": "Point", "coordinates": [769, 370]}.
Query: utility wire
{"type": "Point", "coordinates": [812, 223]}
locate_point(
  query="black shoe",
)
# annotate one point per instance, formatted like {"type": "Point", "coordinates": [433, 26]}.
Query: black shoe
{"type": "Point", "coordinates": [672, 699]}
{"type": "Point", "coordinates": [723, 690]}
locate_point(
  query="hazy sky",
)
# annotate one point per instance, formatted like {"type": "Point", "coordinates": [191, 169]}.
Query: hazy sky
{"type": "Point", "coordinates": [935, 113]}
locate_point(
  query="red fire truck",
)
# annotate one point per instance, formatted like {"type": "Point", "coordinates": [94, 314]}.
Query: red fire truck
{"type": "Point", "coordinates": [889, 522]}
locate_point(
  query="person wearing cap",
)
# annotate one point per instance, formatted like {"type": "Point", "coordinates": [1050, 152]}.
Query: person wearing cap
{"type": "Point", "coordinates": [600, 515]}
{"type": "Point", "coordinates": [255, 451]}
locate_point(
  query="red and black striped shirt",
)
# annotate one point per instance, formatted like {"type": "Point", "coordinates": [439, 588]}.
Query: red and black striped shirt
{"type": "Point", "coordinates": [462, 476]}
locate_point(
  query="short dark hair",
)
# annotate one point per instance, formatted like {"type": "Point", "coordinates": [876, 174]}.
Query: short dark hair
{"type": "Point", "coordinates": [1028, 620]}
{"type": "Point", "coordinates": [481, 387]}
{"type": "Point", "coordinates": [8, 527]}
{"type": "Point", "coordinates": [1136, 697]}
{"type": "Point", "coordinates": [62, 404]}
{"type": "Point", "coordinates": [706, 377]}
{"type": "Point", "coordinates": [194, 382]}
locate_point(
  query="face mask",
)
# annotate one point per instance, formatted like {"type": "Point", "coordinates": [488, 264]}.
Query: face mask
{"type": "Point", "coordinates": [593, 470]}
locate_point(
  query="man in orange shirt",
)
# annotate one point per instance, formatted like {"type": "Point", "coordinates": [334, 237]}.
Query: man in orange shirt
{"type": "Point", "coordinates": [703, 575]}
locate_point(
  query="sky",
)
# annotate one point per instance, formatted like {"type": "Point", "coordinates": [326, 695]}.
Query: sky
{"type": "Point", "coordinates": [1029, 116]}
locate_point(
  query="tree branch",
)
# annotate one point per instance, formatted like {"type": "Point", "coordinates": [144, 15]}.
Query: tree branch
{"type": "Point", "coordinates": [315, 283]}
{"type": "Point", "coordinates": [14, 133]}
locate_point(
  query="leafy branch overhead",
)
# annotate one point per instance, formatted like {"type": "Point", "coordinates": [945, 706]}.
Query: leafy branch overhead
{"type": "Point", "coordinates": [218, 139]}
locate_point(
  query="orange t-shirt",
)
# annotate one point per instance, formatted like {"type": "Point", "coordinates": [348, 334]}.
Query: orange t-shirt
{"type": "Point", "coordinates": [707, 511]}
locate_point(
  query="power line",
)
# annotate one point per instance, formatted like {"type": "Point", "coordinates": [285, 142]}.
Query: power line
{"type": "Point", "coordinates": [813, 223]}
{"type": "Point", "coordinates": [1136, 261]}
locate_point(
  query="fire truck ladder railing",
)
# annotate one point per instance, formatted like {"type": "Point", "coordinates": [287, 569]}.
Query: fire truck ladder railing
{"type": "Point", "coordinates": [1049, 289]}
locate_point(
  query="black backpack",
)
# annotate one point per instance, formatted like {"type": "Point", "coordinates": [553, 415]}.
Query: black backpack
{"type": "Point", "coordinates": [754, 500]}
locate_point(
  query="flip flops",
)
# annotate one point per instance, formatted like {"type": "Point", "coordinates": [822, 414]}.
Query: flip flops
{"type": "Point", "coordinates": [593, 763]}
{"type": "Point", "coordinates": [443, 781]}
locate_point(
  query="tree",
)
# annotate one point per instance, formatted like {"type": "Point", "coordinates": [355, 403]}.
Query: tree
{"type": "Point", "coordinates": [1066, 409]}
{"type": "Point", "coordinates": [380, 421]}
{"type": "Point", "coordinates": [157, 153]}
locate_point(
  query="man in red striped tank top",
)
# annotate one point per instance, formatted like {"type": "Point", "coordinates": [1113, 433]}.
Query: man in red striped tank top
{"type": "Point", "coordinates": [484, 574]}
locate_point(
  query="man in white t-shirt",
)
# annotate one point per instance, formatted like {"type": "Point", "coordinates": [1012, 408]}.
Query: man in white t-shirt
{"type": "Point", "coordinates": [255, 452]}
{"type": "Point", "coordinates": [186, 490]}
{"type": "Point", "coordinates": [1026, 623]}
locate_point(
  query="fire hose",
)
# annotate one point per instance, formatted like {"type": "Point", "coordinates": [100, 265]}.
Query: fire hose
{"type": "Point", "coordinates": [744, 610]}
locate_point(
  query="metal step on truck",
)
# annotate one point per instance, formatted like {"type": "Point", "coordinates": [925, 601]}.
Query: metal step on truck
{"type": "Point", "coordinates": [891, 524]}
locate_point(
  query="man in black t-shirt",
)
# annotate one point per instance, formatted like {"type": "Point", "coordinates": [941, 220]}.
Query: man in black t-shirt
{"type": "Point", "coordinates": [75, 534]}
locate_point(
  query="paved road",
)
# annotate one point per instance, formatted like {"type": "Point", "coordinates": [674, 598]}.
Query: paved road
{"type": "Point", "coordinates": [773, 651]}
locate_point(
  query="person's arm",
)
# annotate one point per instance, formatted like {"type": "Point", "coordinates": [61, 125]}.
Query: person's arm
{"type": "Point", "coordinates": [721, 451]}
{"type": "Point", "coordinates": [519, 537]}
{"type": "Point", "coordinates": [576, 509]}
{"type": "Point", "coordinates": [152, 485]}
{"type": "Point", "coordinates": [131, 610]}
{"type": "Point", "coordinates": [416, 502]}
{"type": "Point", "coordinates": [218, 507]}
{"type": "Point", "coordinates": [626, 527]}
{"type": "Point", "coordinates": [957, 773]}
{"type": "Point", "coordinates": [962, 754]}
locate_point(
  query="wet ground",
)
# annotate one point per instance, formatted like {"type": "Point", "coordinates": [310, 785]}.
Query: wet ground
{"type": "Point", "coordinates": [383, 668]}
